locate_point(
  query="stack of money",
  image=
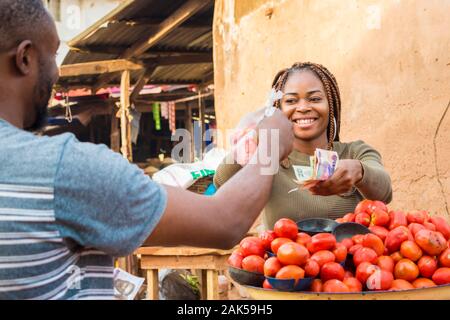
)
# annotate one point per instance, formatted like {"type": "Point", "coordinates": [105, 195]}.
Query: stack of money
{"type": "Point", "coordinates": [322, 166]}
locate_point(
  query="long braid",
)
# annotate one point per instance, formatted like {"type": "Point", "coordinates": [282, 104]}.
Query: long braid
{"type": "Point", "coordinates": [331, 89]}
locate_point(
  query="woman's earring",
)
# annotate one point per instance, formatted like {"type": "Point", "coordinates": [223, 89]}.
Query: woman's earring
{"type": "Point", "coordinates": [335, 128]}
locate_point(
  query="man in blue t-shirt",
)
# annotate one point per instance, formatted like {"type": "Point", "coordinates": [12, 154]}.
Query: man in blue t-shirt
{"type": "Point", "coordinates": [68, 208]}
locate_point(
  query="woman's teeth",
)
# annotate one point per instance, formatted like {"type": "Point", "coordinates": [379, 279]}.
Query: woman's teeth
{"type": "Point", "coordinates": [305, 121]}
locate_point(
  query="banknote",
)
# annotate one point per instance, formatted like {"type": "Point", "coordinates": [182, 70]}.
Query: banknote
{"type": "Point", "coordinates": [322, 166]}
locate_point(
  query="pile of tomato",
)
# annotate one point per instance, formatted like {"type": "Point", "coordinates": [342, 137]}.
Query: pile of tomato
{"type": "Point", "coordinates": [403, 251]}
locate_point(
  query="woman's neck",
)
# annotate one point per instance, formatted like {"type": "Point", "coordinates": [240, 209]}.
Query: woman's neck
{"type": "Point", "coordinates": [308, 147]}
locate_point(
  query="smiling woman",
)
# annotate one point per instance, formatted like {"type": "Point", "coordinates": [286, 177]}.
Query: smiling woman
{"type": "Point", "coordinates": [311, 100]}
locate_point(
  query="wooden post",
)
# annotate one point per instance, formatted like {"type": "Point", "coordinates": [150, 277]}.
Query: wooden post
{"type": "Point", "coordinates": [125, 127]}
{"type": "Point", "coordinates": [212, 277]}
{"type": "Point", "coordinates": [115, 134]}
{"type": "Point", "coordinates": [152, 284]}
{"type": "Point", "coordinates": [201, 110]}
{"type": "Point", "coordinates": [189, 127]}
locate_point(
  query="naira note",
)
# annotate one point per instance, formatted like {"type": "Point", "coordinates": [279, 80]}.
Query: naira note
{"type": "Point", "coordinates": [322, 166]}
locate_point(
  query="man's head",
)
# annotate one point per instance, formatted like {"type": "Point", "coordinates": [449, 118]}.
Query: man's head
{"type": "Point", "coordinates": [28, 70]}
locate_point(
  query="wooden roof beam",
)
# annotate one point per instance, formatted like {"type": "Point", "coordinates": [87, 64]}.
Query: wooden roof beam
{"type": "Point", "coordinates": [97, 67]}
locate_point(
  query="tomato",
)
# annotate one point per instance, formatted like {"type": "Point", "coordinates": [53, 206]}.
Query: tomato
{"type": "Point", "coordinates": [373, 242]}
{"type": "Point", "coordinates": [316, 285]}
{"type": "Point", "coordinates": [396, 256]}
{"type": "Point", "coordinates": [347, 242]}
{"type": "Point", "coordinates": [277, 243]}
{"type": "Point", "coordinates": [365, 270]}
{"type": "Point", "coordinates": [335, 286]}
{"type": "Point", "coordinates": [292, 253]}
{"type": "Point", "coordinates": [380, 280]}
{"type": "Point", "coordinates": [266, 285]}
{"type": "Point", "coordinates": [340, 252]}
{"type": "Point", "coordinates": [444, 258]}
{"type": "Point", "coordinates": [431, 242]}
{"type": "Point", "coordinates": [415, 227]}
{"type": "Point", "coordinates": [363, 218]}
{"type": "Point", "coordinates": [291, 272]}
{"type": "Point", "coordinates": [379, 205]}
{"type": "Point", "coordinates": [386, 263]}
{"type": "Point", "coordinates": [322, 241]}
{"type": "Point", "coordinates": [379, 218]}
{"type": "Point", "coordinates": [332, 270]}
{"type": "Point", "coordinates": [353, 284]}
{"type": "Point", "coordinates": [400, 284]}
{"type": "Point", "coordinates": [272, 266]}
{"type": "Point", "coordinates": [349, 217]}
{"type": "Point", "coordinates": [442, 226]}
{"type": "Point", "coordinates": [429, 226]}
{"type": "Point", "coordinates": [323, 256]}
{"type": "Point", "coordinates": [312, 268]}
{"type": "Point", "coordinates": [354, 248]}
{"type": "Point", "coordinates": [286, 228]}
{"type": "Point", "coordinates": [417, 216]}
{"type": "Point", "coordinates": [252, 246]}
{"type": "Point", "coordinates": [423, 283]}
{"type": "Point", "coordinates": [381, 232]}
{"type": "Point", "coordinates": [235, 260]}
{"type": "Point", "coordinates": [396, 237]}
{"type": "Point", "coordinates": [267, 237]}
{"type": "Point", "coordinates": [358, 239]}
{"type": "Point", "coordinates": [253, 263]}
{"type": "Point", "coordinates": [397, 219]}
{"type": "Point", "coordinates": [303, 238]}
{"type": "Point", "coordinates": [348, 274]}
{"type": "Point", "coordinates": [340, 220]}
{"type": "Point", "coordinates": [364, 206]}
{"type": "Point", "coordinates": [410, 250]}
{"type": "Point", "coordinates": [427, 266]}
{"type": "Point", "coordinates": [441, 276]}
{"type": "Point", "coordinates": [365, 255]}
{"type": "Point", "coordinates": [406, 269]}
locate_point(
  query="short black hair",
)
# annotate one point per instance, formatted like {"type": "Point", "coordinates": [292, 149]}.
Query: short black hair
{"type": "Point", "coordinates": [19, 20]}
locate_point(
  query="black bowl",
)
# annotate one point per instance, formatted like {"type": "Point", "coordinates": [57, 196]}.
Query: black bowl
{"type": "Point", "coordinates": [245, 277]}
{"type": "Point", "coordinates": [314, 226]}
{"type": "Point", "coordinates": [349, 229]}
{"type": "Point", "coordinates": [289, 284]}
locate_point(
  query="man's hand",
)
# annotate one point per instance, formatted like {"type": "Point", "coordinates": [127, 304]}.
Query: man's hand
{"type": "Point", "coordinates": [348, 173]}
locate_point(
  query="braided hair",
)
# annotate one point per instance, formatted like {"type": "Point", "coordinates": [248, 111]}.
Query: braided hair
{"type": "Point", "coordinates": [331, 90]}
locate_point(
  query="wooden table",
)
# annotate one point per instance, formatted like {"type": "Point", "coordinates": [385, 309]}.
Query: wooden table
{"type": "Point", "coordinates": [208, 261]}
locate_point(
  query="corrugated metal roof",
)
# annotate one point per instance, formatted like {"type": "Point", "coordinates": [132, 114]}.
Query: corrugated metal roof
{"type": "Point", "coordinates": [137, 20]}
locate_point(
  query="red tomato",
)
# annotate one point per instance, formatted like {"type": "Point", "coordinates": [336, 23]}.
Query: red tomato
{"type": "Point", "coordinates": [292, 253]}
{"type": "Point", "coordinates": [400, 284]}
{"type": "Point", "coordinates": [303, 238]}
{"type": "Point", "coordinates": [410, 250]}
{"type": "Point", "coordinates": [396, 256]}
{"type": "Point", "coordinates": [442, 226]}
{"type": "Point", "coordinates": [267, 237]}
{"type": "Point", "coordinates": [365, 255]}
{"type": "Point", "coordinates": [379, 205]}
{"type": "Point", "coordinates": [365, 270]}
{"type": "Point", "coordinates": [381, 232]}
{"type": "Point", "coordinates": [358, 239]}
{"type": "Point", "coordinates": [373, 242]}
{"type": "Point", "coordinates": [253, 263]}
{"type": "Point", "coordinates": [348, 243]}
{"type": "Point", "coordinates": [252, 246]}
{"type": "Point", "coordinates": [291, 272]}
{"type": "Point", "coordinates": [407, 270]}
{"type": "Point", "coordinates": [272, 266]}
{"type": "Point", "coordinates": [427, 266]}
{"type": "Point", "coordinates": [353, 284]}
{"type": "Point", "coordinates": [417, 216]}
{"type": "Point", "coordinates": [266, 285]}
{"type": "Point", "coordinates": [423, 283]}
{"type": "Point", "coordinates": [354, 248]}
{"type": "Point", "coordinates": [364, 206]}
{"type": "Point", "coordinates": [323, 256]}
{"type": "Point", "coordinates": [348, 274]}
{"type": "Point", "coordinates": [431, 242]}
{"type": "Point", "coordinates": [349, 217]}
{"type": "Point", "coordinates": [316, 285]}
{"type": "Point", "coordinates": [429, 226]}
{"type": "Point", "coordinates": [415, 227]}
{"type": "Point", "coordinates": [340, 220]}
{"type": "Point", "coordinates": [397, 219]}
{"type": "Point", "coordinates": [444, 258]}
{"type": "Point", "coordinates": [380, 280]}
{"type": "Point", "coordinates": [441, 276]}
{"type": "Point", "coordinates": [332, 270]}
{"type": "Point", "coordinates": [322, 241]}
{"type": "Point", "coordinates": [312, 269]}
{"type": "Point", "coordinates": [277, 243]}
{"type": "Point", "coordinates": [396, 237]}
{"type": "Point", "coordinates": [379, 218]}
{"type": "Point", "coordinates": [340, 252]}
{"type": "Point", "coordinates": [386, 263]}
{"type": "Point", "coordinates": [235, 260]}
{"type": "Point", "coordinates": [335, 286]}
{"type": "Point", "coordinates": [286, 228]}
{"type": "Point", "coordinates": [363, 218]}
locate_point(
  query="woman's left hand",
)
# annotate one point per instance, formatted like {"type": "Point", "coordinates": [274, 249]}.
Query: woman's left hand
{"type": "Point", "coordinates": [348, 173]}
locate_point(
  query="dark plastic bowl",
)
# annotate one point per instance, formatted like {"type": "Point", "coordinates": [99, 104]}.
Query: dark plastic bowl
{"type": "Point", "coordinates": [349, 229]}
{"type": "Point", "coordinates": [314, 226]}
{"type": "Point", "coordinates": [246, 277]}
{"type": "Point", "coordinates": [289, 284]}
